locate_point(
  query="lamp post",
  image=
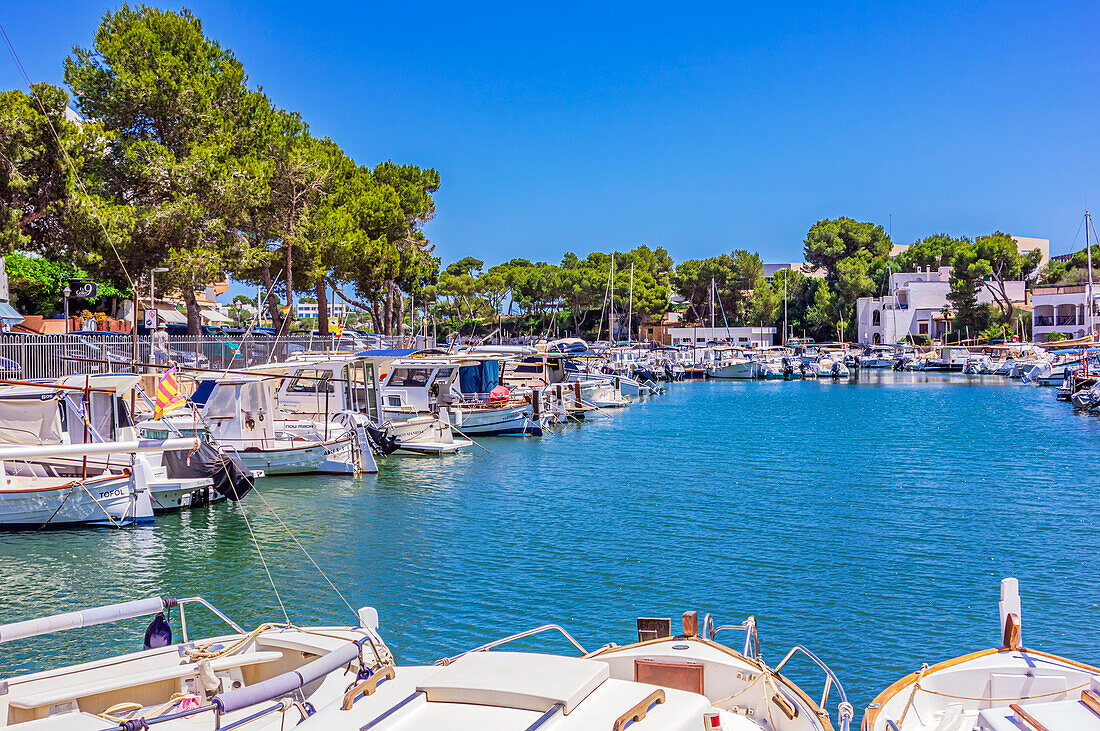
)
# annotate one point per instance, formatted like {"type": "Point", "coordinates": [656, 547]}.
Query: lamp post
{"type": "Point", "coordinates": [152, 300]}
{"type": "Point", "coordinates": [66, 292]}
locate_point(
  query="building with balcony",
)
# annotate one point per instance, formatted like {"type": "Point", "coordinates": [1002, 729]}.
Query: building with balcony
{"type": "Point", "coordinates": [308, 310]}
{"type": "Point", "coordinates": [1062, 309]}
{"type": "Point", "coordinates": [698, 337]}
{"type": "Point", "coordinates": [917, 305]}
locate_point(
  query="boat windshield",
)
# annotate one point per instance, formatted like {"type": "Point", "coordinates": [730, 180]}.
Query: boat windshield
{"type": "Point", "coordinates": [410, 377]}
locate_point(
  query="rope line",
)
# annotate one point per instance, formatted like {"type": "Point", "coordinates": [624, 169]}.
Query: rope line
{"type": "Point", "coordinates": [260, 553]}
{"type": "Point", "coordinates": [303, 549]}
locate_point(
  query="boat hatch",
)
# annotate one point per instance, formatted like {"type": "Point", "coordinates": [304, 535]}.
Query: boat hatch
{"type": "Point", "coordinates": [516, 680]}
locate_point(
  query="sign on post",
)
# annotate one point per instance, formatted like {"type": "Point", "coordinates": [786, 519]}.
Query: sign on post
{"type": "Point", "coordinates": [82, 289]}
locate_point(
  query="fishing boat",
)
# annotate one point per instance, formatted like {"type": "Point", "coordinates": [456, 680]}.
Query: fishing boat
{"type": "Point", "coordinates": [1000, 689]}
{"type": "Point", "coordinates": [272, 677]}
{"type": "Point", "coordinates": [662, 682]}
{"type": "Point", "coordinates": [116, 498]}
{"type": "Point", "coordinates": [94, 409]}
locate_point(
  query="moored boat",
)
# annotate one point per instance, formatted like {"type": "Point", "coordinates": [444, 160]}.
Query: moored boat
{"type": "Point", "coordinates": [1005, 688]}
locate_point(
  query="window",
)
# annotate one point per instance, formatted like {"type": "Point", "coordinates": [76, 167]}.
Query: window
{"type": "Point", "coordinates": [923, 329]}
{"type": "Point", "coordinates": [876, 318]}
{"type": "Point", "coordinates": [410, 377]}
{"type": "Point", "coordinates": [311, 381]}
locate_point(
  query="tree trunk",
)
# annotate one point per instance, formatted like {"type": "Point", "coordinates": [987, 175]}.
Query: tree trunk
{"type": "Point", "coordinates": [289, 287]}
{"type": "Point", "coordinates": [272, 304]}
{"type": "Point", "coordinates": [194, 321]}
{"type": "Point", "coordinates": [387, 317]}
{"type": "Point", "coordinates": [322, 308]}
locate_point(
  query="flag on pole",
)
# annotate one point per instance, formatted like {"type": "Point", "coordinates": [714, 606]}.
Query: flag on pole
{"type": "Point", "coordinates": [339, 331]}
{"type": "Point", "coordinates": [286, 310]}
{"type": "Point", "coordinates": [168, 395]}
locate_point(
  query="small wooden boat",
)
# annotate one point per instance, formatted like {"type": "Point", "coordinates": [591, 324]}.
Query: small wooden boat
{"type": "Point", "coordinates": [269, 678]}
{"type": "Point", "coordinates": [686, 682]}
{"type": "Point", "coordinates": [1007, 688]}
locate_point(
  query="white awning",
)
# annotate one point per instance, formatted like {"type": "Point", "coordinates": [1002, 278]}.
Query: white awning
{"type": "Point", "coordinates": [172, 316]}
{"type": "Point", "coordinates": [214, 316]}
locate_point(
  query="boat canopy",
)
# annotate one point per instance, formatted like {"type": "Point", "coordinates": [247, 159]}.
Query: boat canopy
{"type": "Point", "coordinates": [31, 418]}
{"type": "Point", "coordinates": [480, 378]}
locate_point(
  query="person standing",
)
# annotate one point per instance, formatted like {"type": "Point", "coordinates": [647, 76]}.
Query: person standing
{"type": "Point", "coordinates": [160, 345]}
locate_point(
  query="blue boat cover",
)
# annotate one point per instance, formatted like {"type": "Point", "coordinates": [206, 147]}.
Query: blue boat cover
{"type": "Point", "coordinates": [202, 392]}
{"type": "Point", "coordinates": [480, 378]}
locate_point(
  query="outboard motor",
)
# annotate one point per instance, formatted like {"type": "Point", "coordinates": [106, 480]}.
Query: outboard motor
{"type": "Point", "coordinates": [836, 368]}
{"type": "Point", "coordinates": [380, 440]}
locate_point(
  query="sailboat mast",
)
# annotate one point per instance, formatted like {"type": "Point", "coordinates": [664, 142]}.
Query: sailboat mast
{"type": "Point", "coordinates": [1088, 248]}
{"type": "Point", "coordinates": [630, 313]}
{"type": "Point", "coordinates": [611, 317]}
{"type": "Point", "coordinates": [712, 303]}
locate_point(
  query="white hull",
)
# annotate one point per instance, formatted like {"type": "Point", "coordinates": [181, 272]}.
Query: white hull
{"type": "Point", "coordinates": [746, 370]}
{"type": "Point", "coordinates": [329, 458]}
{"type": "Point", "coordinates": [515, 420]}
{"type": "Point", "coordinates": [30, 502]}
{"type": "Point", "coordinates": [174, 494]}
{"type": "Point", "coordinates": [424, 434]}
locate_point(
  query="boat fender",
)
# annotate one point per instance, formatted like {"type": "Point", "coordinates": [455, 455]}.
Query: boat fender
{"type": "Point", "coordinates": [158, 633]}
{"type": "Point", "coordinates": [712, 721]}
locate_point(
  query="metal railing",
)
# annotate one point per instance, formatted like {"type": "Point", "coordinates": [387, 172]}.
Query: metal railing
{"type": "Point", "coordinates": [1066, 320]}
{"type": "Point", "coordinates": [1043, 320]}
{"type": "Point", "coordinates": [51, 356]}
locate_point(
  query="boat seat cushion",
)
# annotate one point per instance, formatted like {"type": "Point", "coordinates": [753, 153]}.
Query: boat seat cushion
{"type": "Point", "coordinates": [516, 680]}
{"type": "Point", "coordinates": [1058, 715]}
{"type": "Point", "coordinates": [68, 692]}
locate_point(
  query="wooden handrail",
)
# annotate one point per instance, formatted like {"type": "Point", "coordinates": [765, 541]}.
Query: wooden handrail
{"type": "Point", "coordinates": [1027, 718]}
{"type": "Point", "coordinates": [368, 686]}
{"type": "Point", "coordinates": [1091, 701]}
{"type": "Point", "coordinates": [639, 711]}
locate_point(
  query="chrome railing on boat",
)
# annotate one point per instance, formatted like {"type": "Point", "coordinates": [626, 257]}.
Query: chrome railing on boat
{"type": "Point", "coordinates": [752, 640]}
{"type": "Point", "coordinates": [845, 712]}
{"type": "Point", "coordinates": [512, 638]}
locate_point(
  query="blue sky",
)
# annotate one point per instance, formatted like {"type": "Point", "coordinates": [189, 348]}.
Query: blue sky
{"type": "Point", "coordinates": [700, 128]}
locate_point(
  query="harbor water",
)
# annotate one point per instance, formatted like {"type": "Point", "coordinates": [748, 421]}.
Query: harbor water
{"type": "Point", "coordinates": [870, 521]}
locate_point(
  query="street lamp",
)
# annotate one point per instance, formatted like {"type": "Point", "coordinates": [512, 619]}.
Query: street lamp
{"type": "Point", "coordinates": [66, 292]}
{"type": "Point", "coordinates": [152, 299]}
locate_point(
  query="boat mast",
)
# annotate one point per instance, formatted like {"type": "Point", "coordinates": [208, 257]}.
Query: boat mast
{"type": "Point", "coordinates": [611, 317]}
{"type": "Point", "coordinates": [630, 315]}
{"type": "Point", "coordinates": [784, 341]}
{"type": "Point", "coordinates": [712, 303]}
{"type": "Point", "coordinates": [1088, 248]}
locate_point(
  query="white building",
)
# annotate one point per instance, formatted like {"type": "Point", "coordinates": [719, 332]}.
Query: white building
{"type": "Point", "coordinates": [308, 310]}
{"type": "Point", "coordinates": [915, 306]}
{"type": "Point", "coordinates": [1062, 309]}
{"type": "Point", "coordinates": [699, 336]}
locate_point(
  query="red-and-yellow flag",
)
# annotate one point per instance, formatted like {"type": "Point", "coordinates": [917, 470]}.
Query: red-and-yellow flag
{"type": "Point", "coordinates": [286, 309]}
{"type": "Point", "coordinates": [168, 395]}
{"type": "Point", "coordinates": [339, 331]}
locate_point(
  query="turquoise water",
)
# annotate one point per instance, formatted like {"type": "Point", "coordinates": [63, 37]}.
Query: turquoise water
{"type": "Point", "coordinates": [871, 521]}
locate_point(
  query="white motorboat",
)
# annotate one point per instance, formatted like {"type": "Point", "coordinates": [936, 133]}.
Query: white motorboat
{"type": "Point", "coordinates": [240, 413]}
{"type": "Point", "coordinates": [1000, 689]}
{"type": "Point", "coordinates": [661, 683]}
{"type": "Point", "coordinates": [825, 366]}
{"type": "Point", "coordinates": [267, 679]}
{"type": "Point", "coordinates": [735, 368]}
